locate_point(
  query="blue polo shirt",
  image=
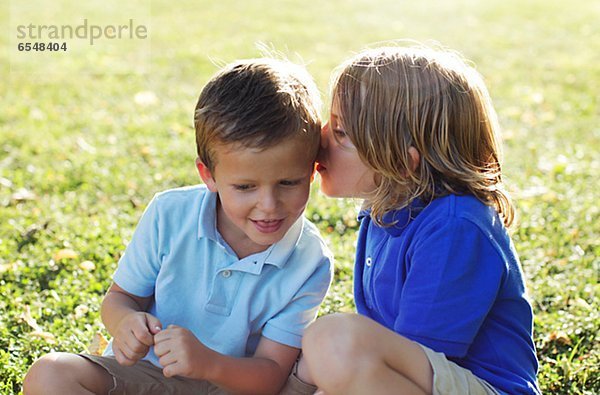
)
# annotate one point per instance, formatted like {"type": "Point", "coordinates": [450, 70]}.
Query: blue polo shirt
{"type": "Point", "coordinates": [177, 255]}
{"type": "Point", "coordinates": [447, 276]}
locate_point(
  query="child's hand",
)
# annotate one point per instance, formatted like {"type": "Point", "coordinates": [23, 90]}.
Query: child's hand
{"type": "Point", "coordinates": [182, 354]}
{"type": "Point", "coordinates": [134, 337]}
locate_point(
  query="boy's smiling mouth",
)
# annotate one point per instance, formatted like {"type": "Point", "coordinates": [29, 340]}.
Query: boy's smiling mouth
{"type": "Point", "coordinates": [267, 225]}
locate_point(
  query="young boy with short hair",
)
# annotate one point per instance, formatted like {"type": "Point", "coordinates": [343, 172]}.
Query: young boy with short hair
{"type": "Point", "coordinates": [219, 281]}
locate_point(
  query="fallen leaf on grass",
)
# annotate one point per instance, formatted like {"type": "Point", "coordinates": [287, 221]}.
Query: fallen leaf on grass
{"type": "Point", "coordinates": [47, 336]}
{"type": "Point", "coordinates": [5, 267]}
{"type": "Point", "coordinates": [145, 98]}
{"type": "Point", "coordinates": [85, 146]}
{"type": "Point", "coordinates": [37, 114]}
{"type": "Point", "coordinates": [5, 182]}
{"type": "Point", "coordinates": [81, 310]}
{"type": "Point", "coordinates": [584, 356]}
{"type": "Point", "coordinates": [37, 330]}
{"type": "Point", "coordinates": [145, 150]}
{"type": "Point", "coordinates": [560, 337]}
{"type": "Point", "coordinates": [26, 316]}
{"type": "Point", "coordinates": [30, 235]}
{"type": "Point", "coordinates": [98, 344]}
{"type": "Point", "coordinates": [582, 303]}
{"type": "Point", "coordinates": [22, 195]}
{"type": "Point", "coordinates": [87, 266]}
{"type": "Point", "coordinates": [65, 253]}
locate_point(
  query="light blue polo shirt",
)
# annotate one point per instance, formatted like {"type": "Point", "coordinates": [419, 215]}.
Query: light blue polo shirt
{"type": "Point", "coordinates": [177, 255]}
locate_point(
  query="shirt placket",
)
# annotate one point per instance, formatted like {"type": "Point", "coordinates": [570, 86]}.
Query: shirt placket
{"type": "Point", "coordinates": [223, 293]}
{"type": "Point", "coordinates": [371, 254]}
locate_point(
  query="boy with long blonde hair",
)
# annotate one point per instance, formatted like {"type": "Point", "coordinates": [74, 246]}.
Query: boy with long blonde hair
{"type": "Point", "coordinates": [438, 285]}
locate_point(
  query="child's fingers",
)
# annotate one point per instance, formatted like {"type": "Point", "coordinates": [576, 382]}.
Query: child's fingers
{"type": "Point", "coordinates": [143, 336]}
{"type": "Point", "coordinates": [165, 334]}
{"type": "Point", "coordinates": [121, 358]}
{"type": "Point", "coordinates": [161, 337]}
{"type": "Point", "coordinates": [160, 348]}
{"type": "Point", "coordinates": [133, 349]}
{"type": "Point", "coordinates": [170, 370]}
{"type": "Point", "coordinates": [167, 359]}
{"type": "Point", "coordinates": [153, 323]}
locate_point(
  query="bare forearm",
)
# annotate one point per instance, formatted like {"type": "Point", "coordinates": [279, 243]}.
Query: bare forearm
{"type": "Point", "coordinates": [248, 375]}
{"type": "Point", "coordinates": [115, 306]}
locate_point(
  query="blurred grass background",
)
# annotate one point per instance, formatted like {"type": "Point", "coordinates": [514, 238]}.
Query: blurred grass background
{"type": "Point", "coordinates": [86, 139]}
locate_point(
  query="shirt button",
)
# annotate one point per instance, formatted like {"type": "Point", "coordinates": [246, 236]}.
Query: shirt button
{"type": "Point", "coordinates": [226, 273]}
{"type": "Point", "coordinates": [369, 262]}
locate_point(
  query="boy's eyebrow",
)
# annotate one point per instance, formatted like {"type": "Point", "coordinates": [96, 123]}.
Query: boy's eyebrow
{"type": "Point", "coordinates": [291, 177]}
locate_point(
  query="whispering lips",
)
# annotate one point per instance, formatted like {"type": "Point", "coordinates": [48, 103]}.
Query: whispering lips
{"type": "Point", "coordinates": [267, 225]}
{"type": "Point", "coordinates": [320, 167]}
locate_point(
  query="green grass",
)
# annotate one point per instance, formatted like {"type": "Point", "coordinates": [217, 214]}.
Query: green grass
{"type": "Point", "coordinates": [79, 158]}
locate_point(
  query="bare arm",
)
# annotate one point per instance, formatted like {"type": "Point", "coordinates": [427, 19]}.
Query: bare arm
{"type": "Point", "coordinates": [181, 353]}
{"type": "Point", "coordinates": [266, 372]}
{"type": "Point", "coordinates": [124, 316]}
{"type": "Point", "coordinates": [117, 303]}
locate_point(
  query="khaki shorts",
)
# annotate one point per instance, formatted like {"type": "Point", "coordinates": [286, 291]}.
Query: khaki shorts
{"type": "Point", "coordinates": [450, 378]}
{"type": "Point", "coordinates": [295, 386]}
{"type": "Point", "coordinates": [145, 378]}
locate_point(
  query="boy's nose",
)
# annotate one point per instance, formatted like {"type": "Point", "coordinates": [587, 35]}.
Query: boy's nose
{"type": "Point", "coordinates": [268, 201]}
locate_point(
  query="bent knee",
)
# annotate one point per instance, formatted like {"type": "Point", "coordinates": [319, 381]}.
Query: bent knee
{"type": "Point", "coordinates": [52, 371]}
{"type": "Point", "coordinates": [42, 374]}
{"type": "Point", "coordinates": [341, 334]}
{"type": "Point", "coordinates": [335, 345]}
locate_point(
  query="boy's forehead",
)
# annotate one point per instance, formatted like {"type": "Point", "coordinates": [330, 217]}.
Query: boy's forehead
{"type": "Point", "coordinates": [225, 148]}
{"type": "Point", "coordinates": [299, 142]}
{"type": "Point", "coordinates": [292, 154]}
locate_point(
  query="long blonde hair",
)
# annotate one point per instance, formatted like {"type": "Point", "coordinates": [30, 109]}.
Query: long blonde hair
{"type": "Point", "coordinates": [392, 98]}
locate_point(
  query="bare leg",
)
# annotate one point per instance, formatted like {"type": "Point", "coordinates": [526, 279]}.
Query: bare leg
{"type": "Point", "coordinates": [303, 373]}
{"type": "Point", "coordinates": [62, 373]}
{"type": "Point", "coordinates": [352, 354]}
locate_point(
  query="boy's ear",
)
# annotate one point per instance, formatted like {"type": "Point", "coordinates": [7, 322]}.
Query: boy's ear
{"type": "Point", "coordinates": [415, 158]}
{"type": "Point", "coordinates": [314, 171]}
{"type": "Point", "coordinates": [206, 175]}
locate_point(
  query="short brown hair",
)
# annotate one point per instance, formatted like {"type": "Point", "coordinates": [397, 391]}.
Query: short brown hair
{"type": "Point", "coordinates": [257, 103]}
{"type": "Point", "coordinates": [392, 98]}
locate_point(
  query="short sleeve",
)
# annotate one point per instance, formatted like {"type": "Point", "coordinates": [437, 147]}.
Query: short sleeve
{"type": "Point", "coordinates": [287, 326]}
{"type": "Point", "coordinates": [140, 263]}
{"type": "Point", "coordinates": [454, 273]}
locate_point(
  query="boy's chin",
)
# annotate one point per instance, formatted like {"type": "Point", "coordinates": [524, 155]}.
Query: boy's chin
{"type": "Point", "coordinates": [331, 193]}
{"type": "Point", "coordinates": [265, 242]}
{"type": "Point", "coordinates": [267, 239]}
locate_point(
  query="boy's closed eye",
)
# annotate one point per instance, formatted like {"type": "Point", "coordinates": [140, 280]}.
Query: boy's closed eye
{"type": "Point", "coordinates": [341, 138]}
{"type": "Point", "coordinates": [249, 187]}
{"type": "Point", "coordinates": [243, 187]}
{"type": "Point", "coordinates": [290, 183]}
{"type": "Point", "coordinates": [339, 134]}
